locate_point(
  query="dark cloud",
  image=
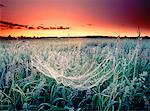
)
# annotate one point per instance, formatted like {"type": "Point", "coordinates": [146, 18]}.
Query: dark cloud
{"type": "Point", "coordinates": [8, 25]}
{"type": "Point", "coordinates": [62, 28]}
{"type": "Point", "coordinates": [43, 28]}
{"type": "Point", "coordinates": [30, 27]}
{"type": "Point", "coordinates": [90, 24]}
{"type": "Point", "coordinates": [1, 5]}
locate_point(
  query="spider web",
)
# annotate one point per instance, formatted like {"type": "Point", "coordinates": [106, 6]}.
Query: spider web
{"type": "Point", "coordinates": [80, 67]}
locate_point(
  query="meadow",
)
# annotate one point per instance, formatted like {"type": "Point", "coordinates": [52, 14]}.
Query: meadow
{"type": "Point", "coordinates": [76, 74]}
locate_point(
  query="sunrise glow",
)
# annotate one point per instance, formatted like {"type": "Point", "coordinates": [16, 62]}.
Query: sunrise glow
{"type": "Point", "coordinates": [77, 17]}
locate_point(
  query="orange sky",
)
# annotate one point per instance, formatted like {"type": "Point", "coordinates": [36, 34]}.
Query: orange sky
{"type": "Point", "coordinates": [83, 17]}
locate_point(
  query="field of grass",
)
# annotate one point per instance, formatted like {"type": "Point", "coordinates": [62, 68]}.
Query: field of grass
{"type": "Point", "coordinates": [56, 75]}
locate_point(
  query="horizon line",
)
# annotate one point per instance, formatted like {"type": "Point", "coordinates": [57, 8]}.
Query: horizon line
{"type": "Point", "coordinates": [88, 36]}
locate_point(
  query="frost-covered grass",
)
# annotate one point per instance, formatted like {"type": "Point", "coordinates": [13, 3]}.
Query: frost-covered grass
{"type": "Point", "coordinates": [64, 75]}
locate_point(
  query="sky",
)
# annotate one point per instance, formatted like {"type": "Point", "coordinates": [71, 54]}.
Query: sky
{"type": "Point", "coordinates": [74, 17]}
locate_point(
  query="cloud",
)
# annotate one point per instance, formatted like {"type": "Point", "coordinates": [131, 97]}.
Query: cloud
{"type": "Point", "coordinates": [90, 24]}
{"type": "Point", "coordinates": [9, 25]}
{"type": "Point", "coordinates": [1, 5]}
{"type": "Point", "coordinates": [30, 27]}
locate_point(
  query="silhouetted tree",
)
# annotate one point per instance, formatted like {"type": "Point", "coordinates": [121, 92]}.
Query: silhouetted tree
{"type": "Point", "coordinates": [9, 36]}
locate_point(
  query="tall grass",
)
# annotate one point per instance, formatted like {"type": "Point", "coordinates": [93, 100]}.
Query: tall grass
{"type": "Point", "coordinates": [106, 76]}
